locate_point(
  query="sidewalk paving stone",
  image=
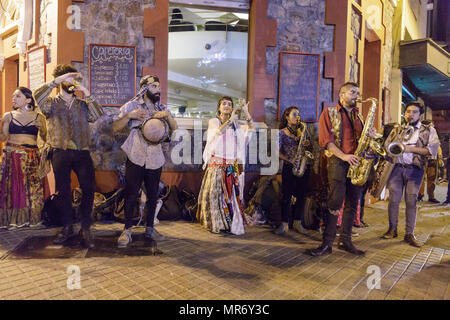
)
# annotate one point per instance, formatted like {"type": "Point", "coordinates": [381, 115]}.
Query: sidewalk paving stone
{"type": "Point", "coordinates": [196, 264]}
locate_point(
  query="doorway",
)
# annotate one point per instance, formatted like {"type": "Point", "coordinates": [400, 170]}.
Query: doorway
{"type": "Point", "coordinates": [372, 77]}
{"type": "Point", "coordinates": [9, 82]}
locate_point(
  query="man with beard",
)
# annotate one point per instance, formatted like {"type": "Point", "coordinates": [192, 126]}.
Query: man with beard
{"type": "Point", "coordinates": [145, 160]}
{"type": "Point", "coordinates": [68, 135]}
{"type": "Point", "coordinates": [408, 172]}
{"type": "Point", "coordinates": [340, 128]}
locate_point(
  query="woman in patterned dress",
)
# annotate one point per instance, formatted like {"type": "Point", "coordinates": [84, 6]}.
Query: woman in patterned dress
{"type": "Point", "coordinates": [291, 185]}
{"type": "Point", "coordinates": [21, 184]}
{"type": "Point", "coordinates": [219, 202]}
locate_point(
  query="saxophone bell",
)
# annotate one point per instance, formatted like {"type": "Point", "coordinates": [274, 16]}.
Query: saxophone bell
{"type": "Point", "coordinates": [395, 149]}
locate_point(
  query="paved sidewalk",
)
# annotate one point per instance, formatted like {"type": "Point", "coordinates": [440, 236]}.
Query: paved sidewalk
{"type": "Point", "coordinates": [197, 264]}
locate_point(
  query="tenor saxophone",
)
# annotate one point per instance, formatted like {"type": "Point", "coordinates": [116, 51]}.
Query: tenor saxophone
{"type": "Point", "coordinates": [302, 155]}
{"type": "Point", "coordinates": [359, 173]}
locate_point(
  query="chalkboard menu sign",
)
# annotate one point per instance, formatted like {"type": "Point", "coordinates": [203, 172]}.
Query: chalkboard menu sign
{"type": "Point", "coordinates": [112, 73]}
{"type": "Point", "coordinates": [36, 66]}
{"type": "Point", "coordinates": [299, 84]}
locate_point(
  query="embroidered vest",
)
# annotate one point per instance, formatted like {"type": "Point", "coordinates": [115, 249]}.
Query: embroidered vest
{"type": "Point", "coordinates": [422, 142]}
{"type": "Point", "coordinates": [336, 127]}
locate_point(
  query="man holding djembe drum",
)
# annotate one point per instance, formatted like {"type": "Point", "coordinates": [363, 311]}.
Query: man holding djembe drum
{"type": "Point", "coordinates": [150, 124]}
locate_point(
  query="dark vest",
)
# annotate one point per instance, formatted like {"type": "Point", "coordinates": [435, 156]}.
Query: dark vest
{"type": "Point", "coordinates": [336, 127]}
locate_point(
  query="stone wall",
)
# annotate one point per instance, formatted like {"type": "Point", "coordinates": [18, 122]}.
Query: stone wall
{"type": "Point", "coordinates": [300, 28]}
{"type": "Point", "coordinates": [117, 22]}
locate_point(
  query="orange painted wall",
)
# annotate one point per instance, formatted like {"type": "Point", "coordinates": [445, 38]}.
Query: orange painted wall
{"type": "Point", "coordinates": [9, 73]}
{"type": "Point", "coordinates": [156, 25]}
{"type": "Point", "coordinates": [70, 44]}
{"type": "Point", "coordinates": [370, 58]}
{"type": "Point", "coordinates": [372, 77]}
{"type": "Point", "coordinates": [262, 33]}
{"type": "Point", "coordinates": [9, 81]}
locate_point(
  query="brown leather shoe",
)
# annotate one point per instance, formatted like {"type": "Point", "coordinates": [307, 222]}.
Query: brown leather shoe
{"type": "Point", "coordinates": [390, 234]}
{"type": "Point", "coordinates": [411, 240]}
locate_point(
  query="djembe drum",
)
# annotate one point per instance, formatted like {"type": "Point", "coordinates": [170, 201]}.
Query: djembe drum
{"type": "Point", "coordinates": [155, 130]}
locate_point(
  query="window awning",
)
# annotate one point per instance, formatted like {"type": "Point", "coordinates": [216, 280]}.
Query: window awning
{"type": "Point", "coordinates": [427, 69]}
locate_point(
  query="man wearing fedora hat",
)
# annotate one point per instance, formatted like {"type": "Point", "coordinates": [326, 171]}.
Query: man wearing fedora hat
{"type": "Point", "coordinates": [144, 158]}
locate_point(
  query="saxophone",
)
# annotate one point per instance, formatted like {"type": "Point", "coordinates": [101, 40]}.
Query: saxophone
{"type": "Point", "coordinates": [440, 168]}
{"type": "Point", "coordinates": [359, 174]}
{"type": "Point", "coordinates": [302, 155]}
{"type": "Point", "coordinates": [394, 148]}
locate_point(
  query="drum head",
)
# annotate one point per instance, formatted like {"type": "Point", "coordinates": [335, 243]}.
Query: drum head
{"type": "Point", "coordinates": [155, 130]}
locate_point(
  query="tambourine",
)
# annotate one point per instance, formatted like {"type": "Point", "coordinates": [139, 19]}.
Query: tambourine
{"type": "Point", "coordinates": [155, 130]}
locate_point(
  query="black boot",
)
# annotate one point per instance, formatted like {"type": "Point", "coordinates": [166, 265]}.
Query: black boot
{"type": "Point", "coordinates": [86, 239]}
{"type": "Point", "coordinates": [347, 245]}
{"type": "Point", "coordinates": [322, 250]}
{"type": "Point", "coordinates": [65, 234]}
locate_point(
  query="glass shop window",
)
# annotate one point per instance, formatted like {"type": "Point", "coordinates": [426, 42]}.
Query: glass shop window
{"type": "Point", "coordinates": [207, 55]}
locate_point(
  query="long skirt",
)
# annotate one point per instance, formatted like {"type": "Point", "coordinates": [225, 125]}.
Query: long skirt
{"type": "Point", "coordinates": [219, 207]}
{"type": "Point", "coordinates": [21, 188]}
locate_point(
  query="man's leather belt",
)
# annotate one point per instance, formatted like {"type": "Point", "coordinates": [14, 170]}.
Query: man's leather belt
{"type": "Point", "coordinates": [407, 166]}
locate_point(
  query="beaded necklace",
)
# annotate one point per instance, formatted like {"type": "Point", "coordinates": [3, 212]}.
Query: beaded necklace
{"type": "Point", "coordinates": [292, 131]}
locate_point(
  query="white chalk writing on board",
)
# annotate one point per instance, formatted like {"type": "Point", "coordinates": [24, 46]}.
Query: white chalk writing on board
{"type": "Point", "coordinates": [112, 74]}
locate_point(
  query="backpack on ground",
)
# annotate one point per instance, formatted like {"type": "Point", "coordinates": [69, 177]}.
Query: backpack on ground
{"type": "Point", "coordinates": [171, 208]}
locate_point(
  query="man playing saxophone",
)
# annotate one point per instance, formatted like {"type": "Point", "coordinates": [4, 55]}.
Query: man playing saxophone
{"type": "Point", "coordinates": [408, 172]}
{"type": "Point", "coordinates": [340, 128]}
